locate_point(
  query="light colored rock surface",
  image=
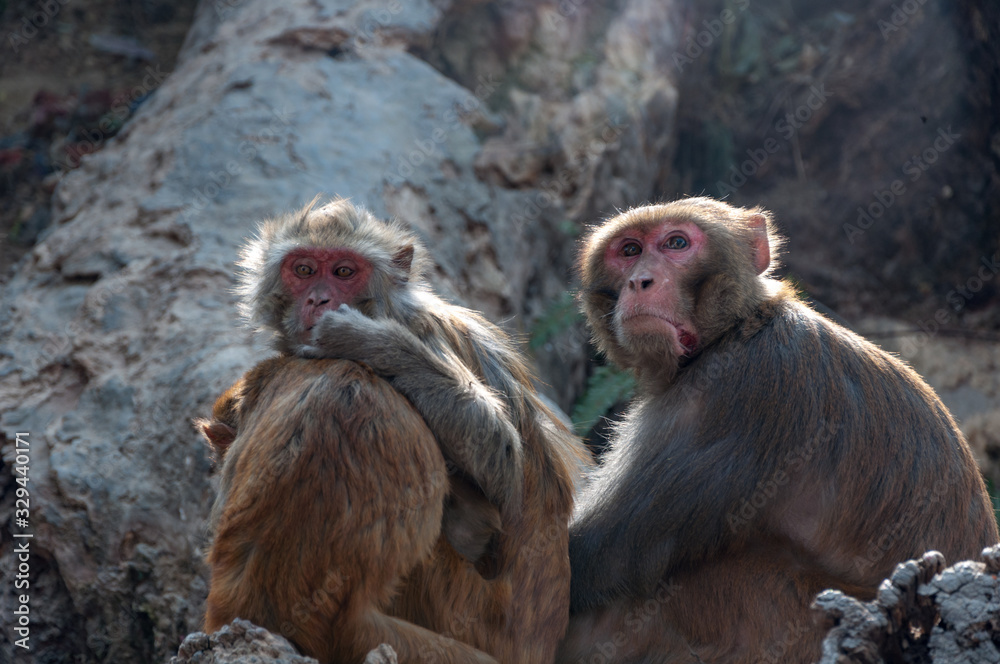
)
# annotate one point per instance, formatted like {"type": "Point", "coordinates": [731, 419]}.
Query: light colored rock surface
{"type": "Point", "coordinates": [120, 326]}
{"type": "Point", "coordinates": [240, 642]}
{"type": "Point", "coordinates": [964, 372]}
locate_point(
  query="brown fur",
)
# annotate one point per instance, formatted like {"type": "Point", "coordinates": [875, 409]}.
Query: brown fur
{"type": "Point", "coordinates": [513, 465]}
{"type": "Point", "coordinates": [786, 455]}
{"type": "Point", "coordinates": [304, 512]}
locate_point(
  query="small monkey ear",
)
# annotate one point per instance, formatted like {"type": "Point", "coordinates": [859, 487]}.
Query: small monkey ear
{"type": "Point", "coordinates": [403, 261]}
{"type": "Point", "coordinates": [219, 435]}
{"type": "Point", "coordinates": [760, 249]}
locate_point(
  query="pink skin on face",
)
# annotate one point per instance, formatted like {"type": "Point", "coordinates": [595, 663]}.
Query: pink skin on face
{"type": "Point", "coordinates": [650, 264]}
{"type": "Point", "coordinates": [321, 280]}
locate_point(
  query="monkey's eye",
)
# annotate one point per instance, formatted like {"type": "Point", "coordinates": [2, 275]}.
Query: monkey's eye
{"type": "Point", "coordinates": [631, 249]}
{"type": "Point", "coordinates": [676, 242]}
{"type": "Point", "coordinates": [343, 272]}
{"type": "Point", "coordinates": [303, 270]}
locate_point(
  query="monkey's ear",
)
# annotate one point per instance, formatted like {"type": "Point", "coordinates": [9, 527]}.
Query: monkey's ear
{"type": "Point", "coordinates": [218, 434]}
{"type": "Point", "coordinates": [760, 249]}
{"type": "Point", "coordinates": [403, 261]}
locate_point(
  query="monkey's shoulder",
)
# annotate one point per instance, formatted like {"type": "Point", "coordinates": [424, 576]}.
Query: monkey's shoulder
{"type": "Point", "coordinates": [840, 349]}
{"type": "Point", "coordinates": [793, 330]}
{"type": "Point", "coordinates": [482, 346]}
{"type": "Point", "coordinates": [281, 375]}
{"type": "Point", "coordinates": [801, 351]}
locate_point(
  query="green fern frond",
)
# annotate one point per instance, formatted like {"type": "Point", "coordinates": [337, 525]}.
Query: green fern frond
{"type": "Point", "coordinates": [562, 315]}
{"type": "Point", "coordinates": [606, 386]}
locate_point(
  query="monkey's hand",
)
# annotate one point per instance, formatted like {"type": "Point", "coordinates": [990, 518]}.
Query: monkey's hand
{"type": "Point", "coordinates": [468, 418]}
{"type": "Point", "coordinates": [342, 334]}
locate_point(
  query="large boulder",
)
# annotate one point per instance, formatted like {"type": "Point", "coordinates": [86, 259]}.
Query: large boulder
{"type": "Point", "coordinates": [492, 131]}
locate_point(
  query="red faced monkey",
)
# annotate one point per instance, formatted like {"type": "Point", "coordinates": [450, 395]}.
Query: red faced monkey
{"type": "Point", "coordinates": [769, 453]}
{"type": "Point", "coordinates": [336, 282]}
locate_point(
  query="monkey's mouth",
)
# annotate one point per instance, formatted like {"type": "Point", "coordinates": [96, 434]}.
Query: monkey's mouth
{"type": "Point", "coordinates": [644, 323]}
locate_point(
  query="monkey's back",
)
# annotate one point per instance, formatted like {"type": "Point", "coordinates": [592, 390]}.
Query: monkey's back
{"type": "Point", "coordinates": [915, 483]}
{"type": "Point", "coordinates": [877, 473]}
{"type": "Point", "coordinates": [361, 482]}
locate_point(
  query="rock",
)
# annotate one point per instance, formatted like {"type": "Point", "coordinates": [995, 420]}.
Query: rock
{"type": "Point", "coordinates": [384, 654]}
{"type": "Point", "coordinates": [119, 326]}
{"type": "Point", "coordinates": [924, 613]}
{"type": "Point", "coordinates": [240, 642]}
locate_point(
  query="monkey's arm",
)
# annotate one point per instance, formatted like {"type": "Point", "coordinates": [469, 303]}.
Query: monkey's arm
{"type": "Point", "coordinates": [469, 420]}
{"type": "Point", "coordinates": [652, 509]}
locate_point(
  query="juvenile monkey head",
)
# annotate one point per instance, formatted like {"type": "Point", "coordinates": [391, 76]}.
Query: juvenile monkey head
{"type": "Point", "coordinates": [314, 260]}
{"type": "Point", "coordinates": [663, 282]}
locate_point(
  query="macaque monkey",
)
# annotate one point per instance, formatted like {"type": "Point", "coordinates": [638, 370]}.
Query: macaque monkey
{"type": "Point", "coordinates": [319, 520]}
{"type": "Point", "coordinates": [769, 453]}
{"type": "Point", "coordinates": [336, 282]}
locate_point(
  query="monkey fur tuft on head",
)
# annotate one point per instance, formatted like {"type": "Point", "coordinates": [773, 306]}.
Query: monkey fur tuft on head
{"type": "Point", "coordinates": [395, 252]}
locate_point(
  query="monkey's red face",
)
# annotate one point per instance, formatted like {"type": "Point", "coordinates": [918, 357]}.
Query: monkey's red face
{"type": "Point", "coordinates": [321, 280]}
{"type": "Point", "coordinates": [651, 266]}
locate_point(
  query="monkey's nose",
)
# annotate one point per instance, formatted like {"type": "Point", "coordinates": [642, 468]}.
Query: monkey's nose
{"type": "Point", "coordinates": [640, 283]}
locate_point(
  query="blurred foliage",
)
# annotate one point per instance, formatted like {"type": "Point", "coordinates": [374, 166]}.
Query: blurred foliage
{"type": "Point", "coordinates": [994, 499]}
{"type": "Point", "coordinates": [606, 386]}
{"type": "Point", "coordinates": [800, 288]}
{"type": "Point", "coordinates": [562, 315]}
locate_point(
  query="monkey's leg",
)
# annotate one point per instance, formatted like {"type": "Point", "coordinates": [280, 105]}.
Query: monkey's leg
{"type": "Point", "coordinates": [416, 644]}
